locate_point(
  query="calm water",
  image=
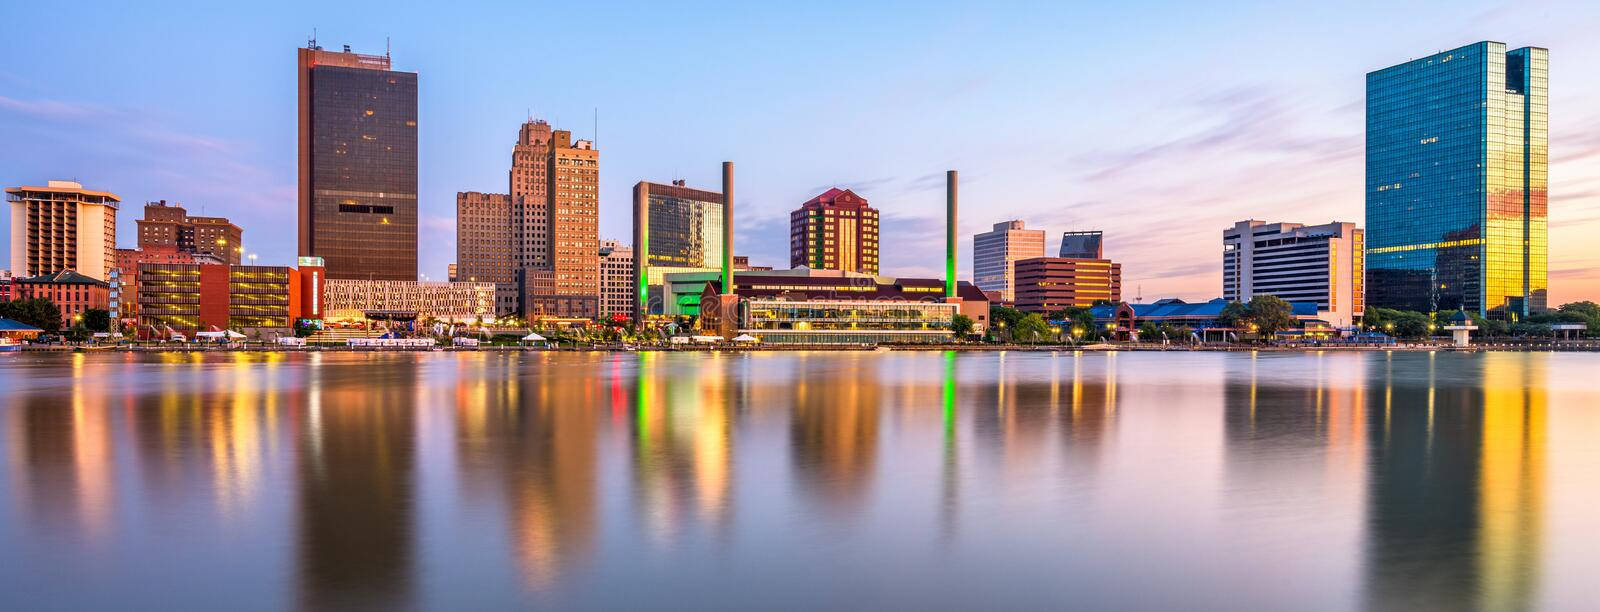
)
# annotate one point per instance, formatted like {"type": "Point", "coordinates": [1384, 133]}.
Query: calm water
{"type": "Point", "coordinates": [1126, 481]}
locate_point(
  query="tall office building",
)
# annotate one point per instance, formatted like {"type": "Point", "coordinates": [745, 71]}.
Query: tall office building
{"type": "Point", "coordinates": [1080, 280]}
{"type": "Point", "coordinates": [529, 195]}
{"type": "Point", "coordinates": [681, 231]}
{"type": "Point", "coordinates": [485, 251]}
{"type": "Point", "coordinates": [1082, 245]}
{"type": "Point", "coordinates": [616, 279]}
{"type": "Point", "coordinates": [836, 230]}
{"type": "Point", "coordinates": [995, 252]}
{"type": "Point", "coordinates": [1320, 263]}
{"type": "Point", "coordinates": [555, 222]}
{"type": "Point", "coordinates": [358, 165]}
{"type": "Point", "coordinates": [1456, 181]}
{"type": "Point", "coordinates": [170, 226]}
{"type": "Point", "coordinates": [63, 226]}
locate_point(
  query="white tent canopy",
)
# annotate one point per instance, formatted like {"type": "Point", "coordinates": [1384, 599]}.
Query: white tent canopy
{"type": "Point", "coordinates": [210, 335]}
{"type": "Point", "coordinates": [745, 338]}
{"type": "Point", "coordinates": [533, 337]}
{"type": "Point", "coordinates": [235, 335]}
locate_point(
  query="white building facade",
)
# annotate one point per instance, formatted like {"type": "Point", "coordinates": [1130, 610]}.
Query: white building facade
{"type": "Point", "coordinates": [1319, 263]}
{"type": "Point", "coordinates": [995, 253]}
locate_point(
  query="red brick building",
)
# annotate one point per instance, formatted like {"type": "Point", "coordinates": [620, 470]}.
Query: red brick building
{"type": "Point", "coordinates": [1048, 284]}
{"type": "Point", "coordinates": [834, 231]}
{"type": "Point", "coordinates": [70, 291]}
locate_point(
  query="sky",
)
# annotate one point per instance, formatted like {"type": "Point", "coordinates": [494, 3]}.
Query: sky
{"type": "Point", "coordinates": [1160, 123]}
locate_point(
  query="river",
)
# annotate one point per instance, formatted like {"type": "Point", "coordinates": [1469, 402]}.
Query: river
{"type": "Point", "coordinates": [786, 480]}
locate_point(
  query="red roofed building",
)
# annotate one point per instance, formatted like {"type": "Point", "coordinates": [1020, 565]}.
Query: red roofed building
{"type": "Point", "coordinates": [834, 231]}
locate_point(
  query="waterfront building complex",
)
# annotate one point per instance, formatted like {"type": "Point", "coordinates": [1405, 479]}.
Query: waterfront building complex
{"type": "Point", "coordinates": [1204, 319]}
{"type": "Point", "coordinates": [71, 292]}
{"type": "Point", "coordinates": [995, 252]}
{"type": "Point", "coordinates": [1049, 284]}
{"type": "Point", "coordinates": [170, 226]}
{"type": "Point", "coordinates": [1322, 264]}
{"type": "Point", "coordinates": [62, 226]}
{"type": "Point", "coordinates": [1082, 245]}
{"type": "Point", "coordinates": [253, 300]}
{"type": "Point", "coordinates": [836, 230]}
{"type": "Point", "coordinates": [460, 302]}
{"type": "Point", "coordinates": [831, 306]}
{"type": "Point", "coordinates": [616, 279]}
{"type": "Point", "coordinates": [1456, 181]}
{"type": "Point", "coordinates": [358, 164]}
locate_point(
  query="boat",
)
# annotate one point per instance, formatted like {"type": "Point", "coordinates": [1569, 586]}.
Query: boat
{"type": "Point", "coordinates": [8, 345]}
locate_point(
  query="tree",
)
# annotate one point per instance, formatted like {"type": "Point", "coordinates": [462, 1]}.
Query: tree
{"type": "Point", "coordinates": [97, 320]}
{"type": "Point", "coordinates": [1398, 323]}
{"type": "Point", "coordinates": [38, 312]}
{"type": "Point", "coordinates": [1270, 315]}
{"type": "Point", "coordinates": [1148, 332]}
{"type": "Point", "coordinates": [962, 326]}
{"type": "Point", "coordinates": [1079, 318]}
{"type": "Point", "coordinates": [1031, 328]}
{"type": "Point", "coordinates": [1586, 309]}
{"type": "Point", "coordinates": [1233, 315]}
{"type": "Point", "coordinates": [1007, 315]}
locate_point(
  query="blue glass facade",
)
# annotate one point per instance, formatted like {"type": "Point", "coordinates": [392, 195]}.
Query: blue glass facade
{"type": "Point", "coordinates": [1456, 181]}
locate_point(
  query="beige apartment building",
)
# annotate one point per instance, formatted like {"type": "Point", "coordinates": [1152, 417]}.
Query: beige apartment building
{"type": "Point", "coordinates": [62, 226]}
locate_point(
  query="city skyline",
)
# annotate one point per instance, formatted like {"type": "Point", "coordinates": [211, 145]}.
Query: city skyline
{"type": "Point", "coordinates": [1288, 128]}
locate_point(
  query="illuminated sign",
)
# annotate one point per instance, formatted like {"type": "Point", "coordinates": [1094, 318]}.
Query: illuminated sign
{"type": "Point", "coordinates": [311, 262]}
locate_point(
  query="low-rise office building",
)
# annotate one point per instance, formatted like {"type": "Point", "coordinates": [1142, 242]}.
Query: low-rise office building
{"type": "Point", "coordinates": [616, 279]}
{"type": "Point", "coordinates": [354, 300]}
{"type": "Point", "coordinates": [1049, 284]}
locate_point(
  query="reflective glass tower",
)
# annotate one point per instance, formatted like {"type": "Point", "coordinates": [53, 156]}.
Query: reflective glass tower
{"type": "Point", "coordinates": [358, 165]}
{"type": "Point", "coordinates": [1456, 181]}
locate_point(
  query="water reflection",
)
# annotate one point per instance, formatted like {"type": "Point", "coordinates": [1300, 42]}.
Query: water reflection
{"type": "Point", "coordinates": [355, 487]}
{"type": "Point", "coordinates": [1380, 481]}
{"type": "Point", "coordinates": [1457, 484]}
{"type": "Point", "coordinates": [833, 431]}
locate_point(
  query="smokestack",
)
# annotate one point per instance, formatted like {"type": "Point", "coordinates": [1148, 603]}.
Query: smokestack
{"type": "Point", "coordinates": [950, 233]}
{"type": "Point", "coordinates": [727, 228]}
{"type": "Point", "coordinates": [641, 251]}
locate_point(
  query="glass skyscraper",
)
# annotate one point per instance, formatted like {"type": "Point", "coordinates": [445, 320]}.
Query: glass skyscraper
{"type": "Point", "coordinates": [1456, 182]}
{"type": "Point", "coordinates": [358, 165]}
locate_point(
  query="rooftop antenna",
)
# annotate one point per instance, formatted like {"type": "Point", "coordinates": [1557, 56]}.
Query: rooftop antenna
{"type": "Point", "coordinates": [596, 127]}
{"type": "Point", "coordinates": [386, 49]}
{"type": "Point", "coordinates": [1139, 299]}
{"type": "Point", "coordinates": [311, 43]}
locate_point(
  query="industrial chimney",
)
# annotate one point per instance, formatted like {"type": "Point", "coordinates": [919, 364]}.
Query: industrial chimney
{"type": "Point", "coordinates": [950, 234]}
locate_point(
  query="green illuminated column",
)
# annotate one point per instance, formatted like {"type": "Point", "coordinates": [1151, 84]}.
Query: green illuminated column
{"type": "Point", "coordinates": [727, 228]}
{"type": "Point", "coordinates": [950, 234]}
{"type": "Point", "coordinates": [641, 251]}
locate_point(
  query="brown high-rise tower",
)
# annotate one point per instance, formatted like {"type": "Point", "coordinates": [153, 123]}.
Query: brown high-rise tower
{"type": "Point", "coordinates": [358, 165]}
{"type": "Point", "coordinates": [834, 231]}
{"type": "Point", "coordinates": [555, 221]}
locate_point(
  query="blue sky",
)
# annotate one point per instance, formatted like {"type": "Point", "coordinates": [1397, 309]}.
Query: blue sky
{"type": "Point", "coordinates": [1159, 122]}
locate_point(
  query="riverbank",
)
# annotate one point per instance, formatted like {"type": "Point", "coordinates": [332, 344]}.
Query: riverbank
{"type": "Point", "coordinates": [1568, 346]}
